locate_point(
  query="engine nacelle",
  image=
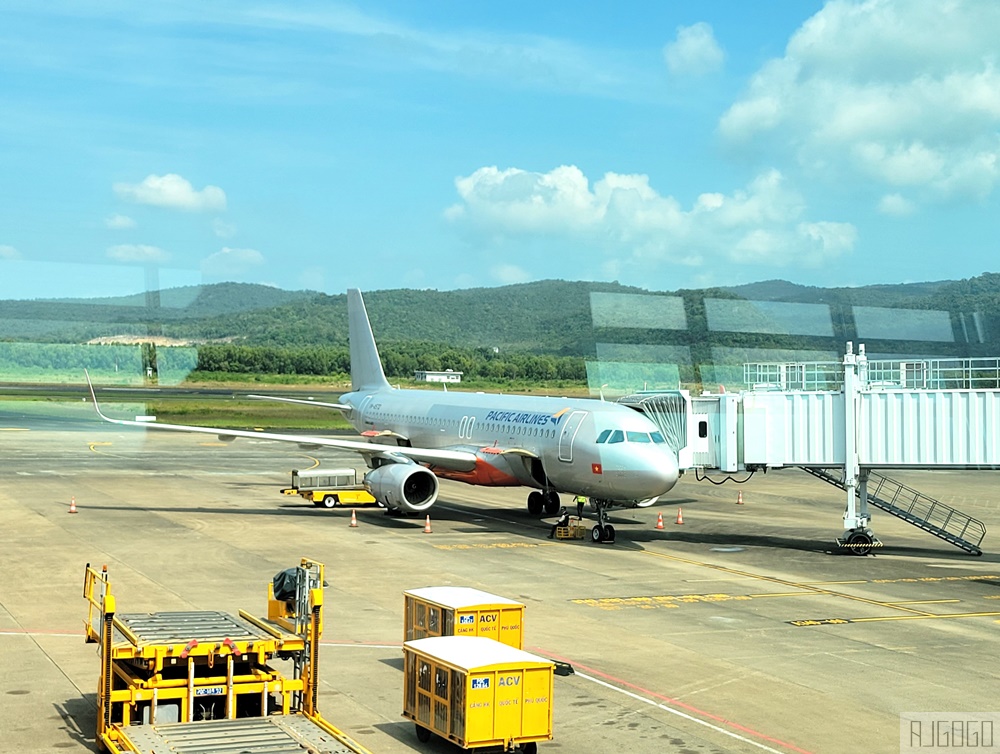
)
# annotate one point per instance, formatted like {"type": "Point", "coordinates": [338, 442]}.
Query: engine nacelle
{"type": "Point", "coordinates": [406, 486]}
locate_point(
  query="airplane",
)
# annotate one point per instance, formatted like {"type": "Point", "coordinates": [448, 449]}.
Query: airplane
{"type": "Point", "coordinates": [607, 452]}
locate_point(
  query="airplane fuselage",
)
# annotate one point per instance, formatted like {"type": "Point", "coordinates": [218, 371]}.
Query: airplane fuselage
{"type": "Point", "coordinates": [579, 446]}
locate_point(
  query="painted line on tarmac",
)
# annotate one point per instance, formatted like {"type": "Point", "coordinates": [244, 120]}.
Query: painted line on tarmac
{"type": "Point", "coordinates": [38, 632]}
{"type": "Point", "coordinates": [692, 713]}
{"type": "Point", "coordinates": [808, 622]}
{"type": "Point", "coordinates": [14, 429]}
{"type": "Point", "coordinates": [784, 582]}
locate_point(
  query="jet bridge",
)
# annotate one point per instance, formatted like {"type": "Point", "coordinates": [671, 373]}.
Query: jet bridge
{"type": "Point", "coordinates": [847, 423]}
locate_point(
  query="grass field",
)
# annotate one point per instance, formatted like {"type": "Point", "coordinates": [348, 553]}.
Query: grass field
{"type": "Point", "coordinates": [229, 408]}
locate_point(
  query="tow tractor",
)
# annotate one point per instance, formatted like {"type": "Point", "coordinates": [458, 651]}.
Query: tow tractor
{"type": "Point", "coordinates": [203, 681]}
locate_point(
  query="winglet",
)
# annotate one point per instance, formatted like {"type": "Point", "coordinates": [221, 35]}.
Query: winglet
{"type": "Point", "coordinates": [97, 406]}
{"type": "Point", "coordinates": [93, 395]}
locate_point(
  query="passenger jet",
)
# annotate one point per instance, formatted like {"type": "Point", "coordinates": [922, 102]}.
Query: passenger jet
{"type": "Point", "coordinates": [607, 452]}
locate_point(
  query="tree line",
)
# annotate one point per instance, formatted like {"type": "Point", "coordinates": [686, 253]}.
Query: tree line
{"type": "Point", "coordinates": [399, 360]}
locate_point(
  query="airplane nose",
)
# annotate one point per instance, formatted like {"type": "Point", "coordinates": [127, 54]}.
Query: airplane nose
{"type": "Point", "coordinates": [648, 473]}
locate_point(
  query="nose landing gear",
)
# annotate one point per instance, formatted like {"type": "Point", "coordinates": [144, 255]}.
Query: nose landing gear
{"type": "Point", "coordinates": [602, 531]}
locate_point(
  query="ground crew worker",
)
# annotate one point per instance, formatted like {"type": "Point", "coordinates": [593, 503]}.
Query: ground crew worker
{"type": "Point", "coordinates": [580, 502]}
{"type": "Point", "coordinates": [563, 521]}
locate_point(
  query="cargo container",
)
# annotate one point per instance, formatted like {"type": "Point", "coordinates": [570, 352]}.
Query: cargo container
{"type": "Point", "coordinates": [462, 611]}
{"type": "Point", "coordinates": [477, 692]}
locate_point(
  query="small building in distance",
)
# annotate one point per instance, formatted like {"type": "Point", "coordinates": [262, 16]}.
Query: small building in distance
{"type": "Point", "coordinates": [448, 375]}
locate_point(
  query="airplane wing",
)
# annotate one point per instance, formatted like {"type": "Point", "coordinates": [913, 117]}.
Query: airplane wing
{"type": "Point", "coordinates": [459, 460]}
{"type": "Point", "coordinates": [302, 401]}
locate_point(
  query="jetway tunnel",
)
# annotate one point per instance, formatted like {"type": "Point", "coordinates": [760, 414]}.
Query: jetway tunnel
{"type": "Point", "coordinates": [848, 436]}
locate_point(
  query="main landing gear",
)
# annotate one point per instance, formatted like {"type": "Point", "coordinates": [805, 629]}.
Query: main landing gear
{"type": "Point", "coordinates": [602, 531]}
{"type": "Point", "coordinates": [539, 501]}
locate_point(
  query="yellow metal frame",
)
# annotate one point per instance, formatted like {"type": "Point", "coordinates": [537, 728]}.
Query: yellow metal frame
{"type": "Point", "coordinates": [574, 530]}
{"type": "Point", "coordinates": [133, 670]}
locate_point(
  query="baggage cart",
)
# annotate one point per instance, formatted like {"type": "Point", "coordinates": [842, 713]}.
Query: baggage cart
{"type": "Point", "coordinates": [477, 692]}
{"type": "Point", "coordinates": [462, 611]}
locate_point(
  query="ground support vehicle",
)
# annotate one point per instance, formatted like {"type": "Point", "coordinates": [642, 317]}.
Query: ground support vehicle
{"type": "Point", "coordinates": [328, 488]}
{"type": "Point", "coordinates": [462, 611]}
{"type": "Point", "coordinates": [203, 681]}
{"type": "Point", "coordinates": [575, 529]}
{"type": "Point", "coordinates": [477, 692]}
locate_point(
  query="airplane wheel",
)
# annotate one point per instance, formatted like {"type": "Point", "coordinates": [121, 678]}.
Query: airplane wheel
{"type": "Point", "coordinates": [535, 503]}
{"type": "Point", "coordinates": [609, 533]}
{"type": "Point", "coordinates": [423, 735]}
{"type": "Point", "coordinates": [330, 501]}
{"type": "Point", "coordinates": [551, 502]}
{"type": "Point", "coordinates": [597, 534]}
{"type": "Point", "coordinates": [860, 543]}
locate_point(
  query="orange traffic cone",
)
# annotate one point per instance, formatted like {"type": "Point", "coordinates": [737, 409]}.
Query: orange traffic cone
{"type": "Point", "coordinates": [354, 519]}
{"type": "Point", "coordinates": [739, 497]}
{"type": "Point", "coordinates": [659, 520]}
{"type": "Point", "coordinates": [427, 525]}
{"type": "Point", "coordinates": [72, 505]}
{"type": "Point", "coordinates": [680, 517]}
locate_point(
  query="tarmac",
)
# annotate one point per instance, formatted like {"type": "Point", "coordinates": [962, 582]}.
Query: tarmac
{"type": "Point", "coordinates": [741, 630]}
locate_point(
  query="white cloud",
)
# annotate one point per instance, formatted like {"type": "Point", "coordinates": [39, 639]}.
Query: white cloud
{"type": "Point", "coordinates": [896, 205]}
{"type": "Point", "coordinates": [119, 222]}
{"type": "Point", "coordinates": [694, 52]}
{"type": "Point", "coordinates": [231, 264]}
{"type": "Point", "coordinates": [129, 252]}
{"type": "Point", "coordinates": [509, 274]}
{"type": "Point", "coordinates": [174, 192]}
{"type": "Point", "coordinates": [628, 219]}
{"type": "Point", "coordinates": [222, 229]}
{"type": "Point", "coordinates": [905, 92]}
{"type": "Point", "coordinates": [9, 252]}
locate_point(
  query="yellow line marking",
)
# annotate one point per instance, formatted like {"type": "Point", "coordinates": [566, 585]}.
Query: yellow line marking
{"type": "Point", "coordinates": [493, 546]}
{"type": "Point", "coordinates": [923, 617]}
{"type": "Point", "coordinates": [921, 602]}
{"type": "Point", "coordinates": [820, 583]}
{"type": "Point", "coordinates": [14, 429]}
{"type": "Point", "coordinates": [783, 582]}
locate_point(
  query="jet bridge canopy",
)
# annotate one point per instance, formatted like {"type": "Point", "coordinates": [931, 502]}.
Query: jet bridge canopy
{"type": "Point", "coordinates": [856, 416]}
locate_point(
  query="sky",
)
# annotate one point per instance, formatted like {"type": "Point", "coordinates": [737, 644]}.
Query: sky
{"type": "Point", "coordinates": [320, 145]}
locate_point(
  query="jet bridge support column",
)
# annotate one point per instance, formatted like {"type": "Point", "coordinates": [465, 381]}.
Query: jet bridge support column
{"type": "Point", "coordinates": [857, 534]}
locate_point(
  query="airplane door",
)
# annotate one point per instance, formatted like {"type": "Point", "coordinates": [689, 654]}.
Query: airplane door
{"type": "Point", "coordinates": [363, 407]}
{"type": "Point", "coordinates": [568, 433]}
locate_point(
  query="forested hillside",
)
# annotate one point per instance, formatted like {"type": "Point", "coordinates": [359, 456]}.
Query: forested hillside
{"type": "Point", "coordinates": [543, 318]}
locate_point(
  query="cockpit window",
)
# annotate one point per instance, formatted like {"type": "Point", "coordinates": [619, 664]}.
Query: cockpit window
{"type": "Point", "coordinates": [603, 437]}
{"type": "Point", "coordinates": [657, 438]}
{"type": "Point", "coordinates": [638, 437]}
{"type": "Point", "coordinates": [617, 436]}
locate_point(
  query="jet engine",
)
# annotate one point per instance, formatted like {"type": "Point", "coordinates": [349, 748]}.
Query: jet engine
{"type": "Point", "coordinates": [407, 486]}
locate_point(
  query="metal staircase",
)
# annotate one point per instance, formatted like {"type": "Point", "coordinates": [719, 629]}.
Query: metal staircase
{"type": "Point", "coordinates": [933, 516]}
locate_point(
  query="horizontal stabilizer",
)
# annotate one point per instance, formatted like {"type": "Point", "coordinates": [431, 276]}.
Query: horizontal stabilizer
{"type": "Point", "coordinates": [301, 401]}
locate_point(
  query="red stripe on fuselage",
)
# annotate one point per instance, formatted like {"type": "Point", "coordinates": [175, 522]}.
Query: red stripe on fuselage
{"type": "Point", "coordinates": [484, 474]}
